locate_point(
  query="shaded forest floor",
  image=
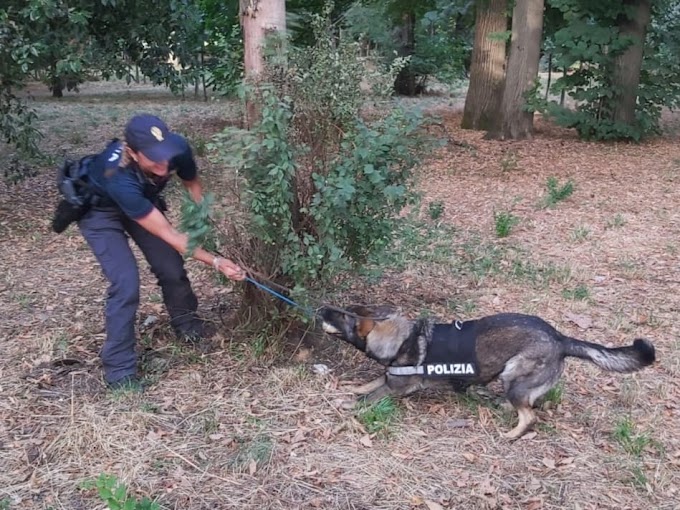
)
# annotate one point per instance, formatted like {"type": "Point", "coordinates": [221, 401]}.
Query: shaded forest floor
{"type": "Point", "coordinates": [248, 428]}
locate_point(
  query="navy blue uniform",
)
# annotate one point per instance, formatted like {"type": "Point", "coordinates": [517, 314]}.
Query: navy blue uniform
{"type": "Point", "coordinates": [125, 194]}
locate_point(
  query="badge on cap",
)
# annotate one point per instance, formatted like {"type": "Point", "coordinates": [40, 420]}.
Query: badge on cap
{"type": "Point", "coordinates": [157, 133]}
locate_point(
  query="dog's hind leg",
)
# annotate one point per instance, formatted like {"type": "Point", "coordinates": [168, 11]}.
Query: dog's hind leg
{"type": "Point", "coordinates": [525, 381]}
{"type": "Point", "coordinates": [527, 418]}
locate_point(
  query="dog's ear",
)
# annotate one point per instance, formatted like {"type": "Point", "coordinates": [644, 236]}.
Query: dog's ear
{"type": "Point", "coordinates": [364, 327]}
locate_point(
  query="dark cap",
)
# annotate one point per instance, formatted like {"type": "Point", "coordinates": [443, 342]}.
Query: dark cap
{"type": "Point", "coordinates": [150, 135]}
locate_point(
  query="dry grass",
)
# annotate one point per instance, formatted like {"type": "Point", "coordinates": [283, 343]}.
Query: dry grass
{"type": "Point", "coordinates": [229, 430]}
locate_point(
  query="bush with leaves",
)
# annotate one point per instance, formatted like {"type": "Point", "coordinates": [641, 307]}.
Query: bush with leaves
{"type": "Point", "coordinates": [588, 43]}
{"type": "Point", "coordinates": [322, 185]}
{"type": "Point", "coordinates": [17, 55]}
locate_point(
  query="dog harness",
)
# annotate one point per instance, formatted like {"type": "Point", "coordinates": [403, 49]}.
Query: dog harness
{"type": "Point", "coordinates": [450, 353]}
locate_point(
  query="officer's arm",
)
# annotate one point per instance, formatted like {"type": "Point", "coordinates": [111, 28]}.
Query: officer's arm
{"type": "Point", "coordinates": [159, 226]}
{"type": "Point", "coordinates": [195, 189]}
{"type": "Point", "coordinates": [187, 171]}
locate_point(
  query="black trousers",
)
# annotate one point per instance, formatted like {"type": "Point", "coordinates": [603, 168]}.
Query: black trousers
{"type": "Point", "coordinates": [107, 230]}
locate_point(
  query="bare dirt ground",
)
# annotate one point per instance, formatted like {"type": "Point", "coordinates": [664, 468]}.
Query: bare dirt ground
{"type": "Point", "coordinates": [242, 429]}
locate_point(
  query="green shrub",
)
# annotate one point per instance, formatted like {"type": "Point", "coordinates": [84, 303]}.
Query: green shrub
{"type": "Point", "coordinates": [435, 209]}
{"type": "Point", "coordinates": [557, 192]}
{"type": "Point", "coordinates": [115, 495]}
{"type": "Point", "coordinates": [504, 222]}
{"type": "Point", "coordinates": [321, 184]}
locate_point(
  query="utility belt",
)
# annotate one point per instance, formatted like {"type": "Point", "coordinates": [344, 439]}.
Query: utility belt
{"type": "Point", "coordinates": [79, 194]}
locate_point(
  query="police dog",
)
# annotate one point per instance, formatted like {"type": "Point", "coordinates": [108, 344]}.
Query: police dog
{"type": "Point", "coordinates": [523, 351]}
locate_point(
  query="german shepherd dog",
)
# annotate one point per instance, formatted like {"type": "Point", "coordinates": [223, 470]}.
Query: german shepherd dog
{"type": "Point", "coordinates": [523, 351]}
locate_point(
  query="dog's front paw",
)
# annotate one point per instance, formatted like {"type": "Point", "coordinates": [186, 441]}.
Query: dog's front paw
{"type": "Point", "coordinates": [357, 389]}
{"type": "Point", "coordinates": [345, 403]}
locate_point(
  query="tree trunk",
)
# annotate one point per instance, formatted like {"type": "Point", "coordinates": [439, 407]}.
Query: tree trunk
{"type": "Point", "coordinates": [627, 66]}
{"type": "Point", "coordinates": [405, 83]}
{"type": "Point", "coordinates": [487, 70]}
{"type": "Point", "coordinates": [56, 84]}
{"type": "Point", "coordinates": [259, 18]}
{"type": "Point", "coordinates": [547, 86]}
{"type": "Point", "coordinates": [522, 70]}
{"type": "Point", "coordinates": [57, 88]}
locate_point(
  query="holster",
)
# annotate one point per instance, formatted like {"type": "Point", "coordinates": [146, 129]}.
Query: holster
{"type": "Point", "coordinates": [67, 213]}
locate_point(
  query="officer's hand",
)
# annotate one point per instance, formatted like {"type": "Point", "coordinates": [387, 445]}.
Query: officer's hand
{"type": "Point", "coordinates": [229, 269]}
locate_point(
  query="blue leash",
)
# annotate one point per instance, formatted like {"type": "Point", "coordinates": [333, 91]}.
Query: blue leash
{"type": "Point", "coordinates": [308, 311]}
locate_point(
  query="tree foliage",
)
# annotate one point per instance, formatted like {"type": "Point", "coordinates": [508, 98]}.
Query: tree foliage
{"type": "Point", "coordinates": [65, 42]}
{"type": "Point", "coordinates": [442, 35]}
{"type": "Point", "coordinates": [587, 43]}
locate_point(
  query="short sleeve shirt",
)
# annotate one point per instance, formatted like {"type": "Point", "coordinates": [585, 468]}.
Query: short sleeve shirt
{"type": "Point", "coordinates": [128, 187]}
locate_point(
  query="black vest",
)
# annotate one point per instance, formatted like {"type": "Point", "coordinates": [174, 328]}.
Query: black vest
{"type": "Point", "coordinates": [451, 353]}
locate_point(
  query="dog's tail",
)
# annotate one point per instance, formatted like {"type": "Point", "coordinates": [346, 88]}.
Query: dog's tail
{"type": "Point", "coordinates": [618, 359]}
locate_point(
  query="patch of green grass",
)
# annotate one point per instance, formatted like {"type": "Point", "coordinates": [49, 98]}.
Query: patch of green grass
{"type": "Point", "coordinates": [504, 223]}
{"type": "Point", "coordinates": [617, 222]}
{"type": "Point", "coordinates": [258, 345]}
{"type": "Point", "coordinates": [465, 308]}
{"type": "Point", "coordinates": [578, 293]}
{"type": "Point", "coordinates": [435, 209]}
{"type": "Point", "coordinates": [470, 400]}
{"type": "Point", "coordinates": [632, 442]}
{"type": "Point", "coordinates": [149, 408]}
{"type": "Point", "coordinates": [638, 477]}
{"type": "Point", "coordinates": [555, 394]}
{"type": "Point", "coordinates": [61, 345]}
{"type": "Point", "coordinates": [378, 417]}
{"type": "Point", "coordinates": [200, 146]}
{"type": "Point", "coordinates": [257, 449]}
{"type": "Point", "coordinates": [480, 259]}
{"type": "Point", "coordinates": [557, 192]}
{"type": "Point", "coordinates": [76, 138]}
{"type": "Point", "coordinates": [545, 428]}
{"type": "Point", "coordinates": [580, 234]}
{"type": "Point", "coordinates": [25, 301]}
{"type": "Point", "coordinates": [416, 242]}
{"type": "Point", "coordinates": [441, 247]}
{"type": "Point", "coordinates": [211, 423]}
{"type": "Point", "coordinates": [629, 267]}
{"type": "Point", "coordinates": [539, 274]}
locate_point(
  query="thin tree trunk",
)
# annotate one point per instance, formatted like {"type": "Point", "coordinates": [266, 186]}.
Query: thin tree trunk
{"type": "Point", "coordinates": [547, 86]}
{"type": "Point", "coordinates": [627, 66]}
{"type": "Point", "coordinates": [522, 70]}
{"type": "Point", "coordinates": [405, 83]}
{"type": "Point", "coordinates": [205, 92]}
{"type": "Point", "coordinates": [258, 19]}
{"type": "Point", "coordinates": [487, 70]}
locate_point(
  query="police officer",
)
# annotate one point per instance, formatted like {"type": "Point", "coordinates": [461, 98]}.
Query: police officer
{"type": "Point", "coordinates": [128, 177]}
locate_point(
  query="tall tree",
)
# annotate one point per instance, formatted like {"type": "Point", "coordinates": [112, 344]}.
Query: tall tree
{"type": "Point", "coordinates": [260, 19]}
{"type": "Point", "coordinates": [522, 71]}
{"type": "Point", "coordinates": [405, 84]}
{"type": "Point", "coordinates": [633, 24]}
{"type": "Point", "coordinates": [487, 70]}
